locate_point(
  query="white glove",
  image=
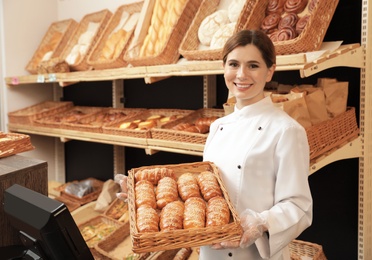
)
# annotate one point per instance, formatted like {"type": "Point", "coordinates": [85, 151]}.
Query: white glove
{"type": "Point", "coordinates": [254, 225]}
{"type": "Point", "coordinates": [121, 179]}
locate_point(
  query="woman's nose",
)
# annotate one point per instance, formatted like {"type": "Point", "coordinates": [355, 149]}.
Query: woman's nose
{"type": "Point", "coordinates": [242, 72]}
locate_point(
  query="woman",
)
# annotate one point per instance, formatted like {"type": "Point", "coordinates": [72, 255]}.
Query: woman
{"type": "Point", "coordinates": [263, 156]}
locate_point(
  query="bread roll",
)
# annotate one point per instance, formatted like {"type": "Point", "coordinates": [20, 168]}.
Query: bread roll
{"type": "Point", "coordinates": [194, 214]}
{"type": "Point", "coordinates": [234, 10]}
{"type": "Point", "coordinates": [206, 120]}
{"type": "Point", "coordinates": [200, 129]}
{"type": "Point", "coordinates": [145, 194]}
{"type": "Point", "coordinates": [188, 186]}
{"type": "Point", "coordinates": [218, 212]}
{"type": "Point", "coordinates": [153, 175]}
{"type": "Point", "coordinates": [147, 219]}
{"type": "Point", "coordinates": [220, 37]}
{"type": "Point", "coordinates": [209, 186]}
{"type": "Point", "coordinates": [210, 25]}
{"type": "Point", "coordinates": [171, 216]}
{"type": "Point", "coordinates": [166, 191]}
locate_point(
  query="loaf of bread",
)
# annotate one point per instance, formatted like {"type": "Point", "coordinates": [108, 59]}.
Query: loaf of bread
{"type": "Point", "coordinates": [188, 186]}
{"type": "Point", "coordinates": [220, 37]}
{"type": "Point", "coordinates": [209, 186]}
{"type": "Point", "coordinates": [166, 191]}
{"type": "Point", "coordinates": [210, 25]}
{"type": "Point", "coordinates": [206, 120]}
{"type": "Point", "coordinates": [234, 10]}
{"type": "Point", "coordinates": [200, 129]}
{"type": "Point", "coordinates": [147, 219]}
{"type": "Point", "coordinates": [194, 214]}
{"type": "Point", "coordinates": [145, 194]}
{"type": "Point", "coordinates": [171, 216]}
{"type": "Point", "coordinates": [153, 175]}
{"type": "Point", "coordinates": [218, 212]}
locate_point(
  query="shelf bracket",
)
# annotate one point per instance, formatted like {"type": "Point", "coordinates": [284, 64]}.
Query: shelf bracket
{"type": "Point", "coordinates": [209, 91]}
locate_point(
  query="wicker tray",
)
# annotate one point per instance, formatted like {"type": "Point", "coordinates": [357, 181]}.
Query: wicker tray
{"type": "Point", "coordinates": [97, 220]}
{"type": "Point", "coordinates": [117, 61]}
{"type": "Point", "coordinates": [158, 241]}
{"type": "Point", "coordinates": [65, 28]}
{"type": "Point", "coordinates": [329, 134]}
{"type": "Point", "coordinates": [313, 34]}
{"type": "Point", "coordinates": [101, 17]}
{"type": "Point", "coordinates": [169, 53]}
{"type": "Point", "coordinates": [116, 209]}
{"type": "Point", "coordinates": [166, 132]}
{"type": "Point", "coordinates": [305, 250]}
{"type": "Point", "coordinates": [70, 204]}
{"type": "Point", "coordinates": [29, 114]}
{"type": "Point", "coordinates": [13, 143]}
{"type": "Point", "coordinates": [114, 128]}
{"type": "Point", "coordinates": [59, 120]}
{"type": "Point", "coordinates": [97, 188]}
{"type": "Point", "coordinates": [251, 17]}
{"type": "Point", "coordinates": [94, 122]}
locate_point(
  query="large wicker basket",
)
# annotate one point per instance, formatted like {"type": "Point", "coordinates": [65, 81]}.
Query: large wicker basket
{"type": "Point", "coordinates": [169, 53]}
{"type": "Point", "coordinates": [66, 29]}
{"type": "Point", "coordinates": [332, 133]}
{"type": "Point", "coordinates": [101, 17]}
{"type": "Point", "coordinates": [117, 61]}
{"type": "Point", "coordinates": [313, 34]}
{"type": "Point", "coordinates": [172, 239]}
{"type": "Point", "coordinates": [305, 250]}
{"type": "Point", "coordinates": [251, 17]}
{"type": "Point", "coordinates": [28, 115]}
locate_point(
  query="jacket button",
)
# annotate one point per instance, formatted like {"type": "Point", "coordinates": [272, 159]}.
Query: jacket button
{"type": "Point", "coordinates": [230, 254]}
{"type": "Point", "coordinates": [221, 128]}
{"type": "Point", "coordinates": [259, 128]}
{"type": "Point", "coordinates": [239, 167]}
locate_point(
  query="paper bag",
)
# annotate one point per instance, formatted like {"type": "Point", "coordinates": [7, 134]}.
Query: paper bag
{"type": "Point", "coordinates": [107, 195]}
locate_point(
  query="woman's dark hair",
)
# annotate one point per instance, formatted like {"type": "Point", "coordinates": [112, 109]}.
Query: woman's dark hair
{"type": "Point", "coordinates": [257, 38]}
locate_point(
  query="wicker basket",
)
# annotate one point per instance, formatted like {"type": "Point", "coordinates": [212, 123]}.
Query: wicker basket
{"type": "Point", "coordinates": [70, 204]}
{"type": "Point", "coordinates": [13, 143]}
{"type": "Point", "coordinates": [28, 115]}
{"type": "Point", "coordinates": [305, 250]}
{"type": "Point", "coordinates": [332, 133]}
{"type": "Point", "coordinates": [101, 17]}
{"type": "Point", "coordinates": [169, 54]}
{"type": "Point", "coordinates": [114, 127]}
{"type": "Point", "coordinates": [97, 186]}
{"type": "Point", "coordinates": [116, 209]}
{"type": "Point", "coordinates": [59, 120]}
{"type": "Point", "coordinates": [66, 28]}
{"type": "Point", "coordinates": [158, 241]}
{"type": "Point", "coordinates": [166, 132]}
{"type": "Point", "coordinates": [118, 60]}
{"type": "Point", "coordinates": [94, 121]}
{"type": "Point", "coordinates": [100, 219]}
{"type": "Point", "coordinates": [313, 34]}
{"type": "Point", "coordinates": [251, 17]}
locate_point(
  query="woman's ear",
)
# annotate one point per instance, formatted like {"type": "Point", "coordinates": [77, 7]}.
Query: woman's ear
{"type": "Point", "coordinates": [270, 73]}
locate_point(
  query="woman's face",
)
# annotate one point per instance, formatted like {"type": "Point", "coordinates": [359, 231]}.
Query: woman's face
{"type": "Point", "coordinates": [246, 74]}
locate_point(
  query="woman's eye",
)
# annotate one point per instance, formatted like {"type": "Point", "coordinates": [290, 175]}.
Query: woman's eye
{"type": "Point", "coordinates": [253, 66]}
{"type": "Point", "coordinates": [233, 64]}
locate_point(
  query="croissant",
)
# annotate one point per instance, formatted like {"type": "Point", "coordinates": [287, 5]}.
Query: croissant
{"type": "Point", "coordinates": [194, 214]}
{"type": "Point", "coordinates": [166, 191]}
{"type": "Point", "coordinates": [145, 194]}
{"type": "Point", "coordinates": [153, 175]}
{"type": "Point", "coordinates": [218, 212]}
{"type": "Point", "coordinates": [209, 186]}
{"type": "Point", "coordinates": [171, 216]}
{"type": "Point", "coordinates": [147, 219]}
{"type": "Point", "coordinates": [188, 186]}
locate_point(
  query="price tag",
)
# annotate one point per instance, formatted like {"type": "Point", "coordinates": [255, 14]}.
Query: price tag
{"type": "Point", "coordinates": [40, 79]}
{"type": "Point", "coordinates": [15, 81]}
{"type": "Point", "coordinates": [52, 77]}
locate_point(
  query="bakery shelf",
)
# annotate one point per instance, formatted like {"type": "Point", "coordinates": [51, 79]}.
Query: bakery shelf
{"type": "Point", "coordinates": [350, 55]}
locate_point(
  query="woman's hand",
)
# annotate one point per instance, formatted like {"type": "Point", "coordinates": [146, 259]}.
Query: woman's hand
{"type": "Point", "coordinates": [121, 179]}
{"type": "Point", "coordinates": [253, 224]}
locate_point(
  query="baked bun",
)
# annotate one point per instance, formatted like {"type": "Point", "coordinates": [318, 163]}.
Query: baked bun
{"type": "Point", "coordinates": [295, 6]}
{"type": "Point", "coordinates": [188, 186]}
{"type": "Point", "coordinates": [171, 216]}
{"type": "Point", "coordinates": [209, 186]}
{"type": "Point", "coordinates": [234, 10]}
{"type": "Point", "coordinates": [218, 212]}
{"type": "Point", "coordinates": [194, 214]}
{"type": "Point", "coordinates": [211, 24]}
{"type": "Point", "coordinates": [289, 20]}
{"type": "Point", "coordinates": [275, 6]}
{"type": "Point", "coordinates": [270, 23]}
{"type": "Point", "coordinates": [220, 37]}
{"type": "Point", "coordinates": [166, 191]}
{"type": "Point", "coordinates": [145, 194]}
{"type": "Point", "coordinates": [147, 219]}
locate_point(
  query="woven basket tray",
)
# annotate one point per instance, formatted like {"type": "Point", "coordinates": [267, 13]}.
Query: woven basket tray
{"type": "Point", "coordinates": [94, 222]}
{"type": "Point", "coordinates": [313, 34]}
{"type": "Point", "coordinates": [59, 120]}
{"type": "Point", "coordinates": [29, 114]}
{"type": "Point", "coordinates": [332, 133]}
{"type": "Point", "coordinates": [116, 209]}
{"type": "Point", "coordinates": [166, 132]}
{"type": "Point", "coordinates": [305, 250]}
{"type": "Point", "coordinates": [97, 188]}
{"type": "Point", "coordinates": [169, 53]}
{"type": "Point", "coordinates": [114, 128]}
{"type": "Point", "coordinates": [251, 17]}
{"type": "Point", "coordinates": [65, 28]}
{"type": "Point", "coordinates": [13, 143]}
{"type": "Point", "coordinates": [95, 121]}
{"type": "Point", "coordinates": [117, 61]}
{"type": "Point", "coordinates": [101, 17]}
{"type": "Point", "coordinates": [158, 241]}
{"type": "Point", "coordinates": [70, 204]}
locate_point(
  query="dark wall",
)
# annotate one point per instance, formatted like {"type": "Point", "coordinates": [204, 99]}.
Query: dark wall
{"type": "Point", "coordinates": [334, 187]}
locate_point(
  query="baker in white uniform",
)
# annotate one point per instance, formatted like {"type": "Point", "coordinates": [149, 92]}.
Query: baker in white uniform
{"type": "Point", "coordinates": [262, 154]}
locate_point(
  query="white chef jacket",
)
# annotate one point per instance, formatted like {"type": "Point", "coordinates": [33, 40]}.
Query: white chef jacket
{"type": "Point", "coordinates": [263, 157]}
